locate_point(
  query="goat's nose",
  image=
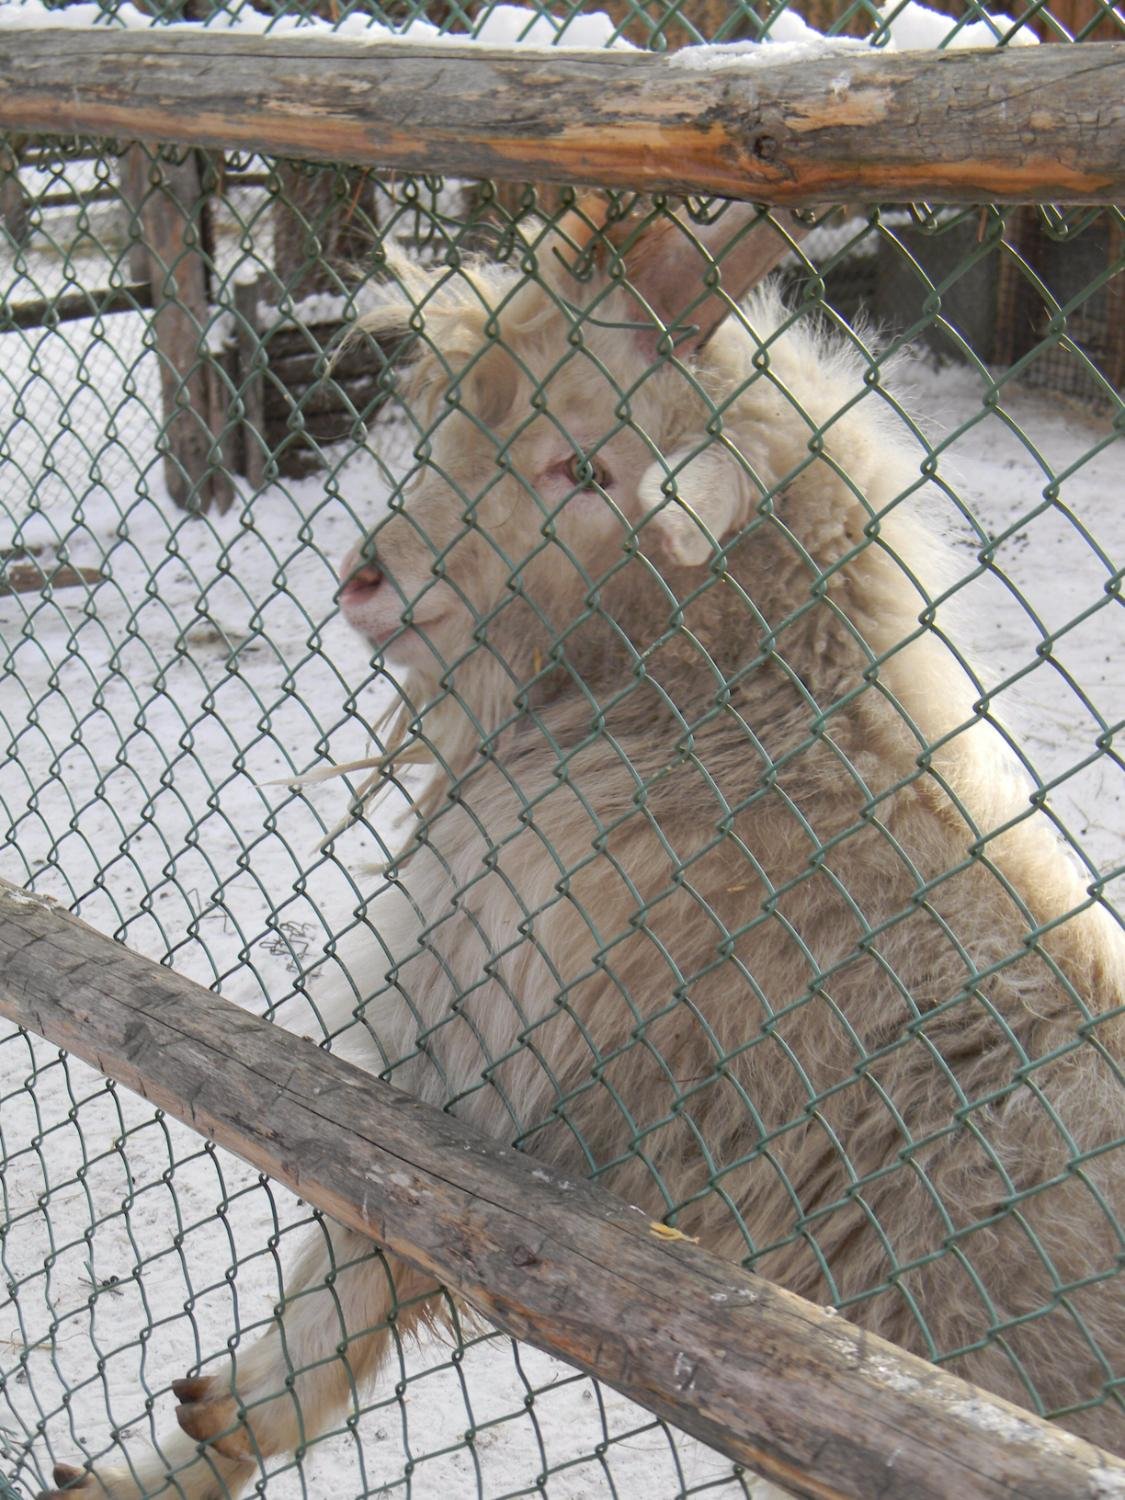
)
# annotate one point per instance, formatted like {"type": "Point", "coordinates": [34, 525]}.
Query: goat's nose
{"type": "Point", "coordinates": [360, 583]}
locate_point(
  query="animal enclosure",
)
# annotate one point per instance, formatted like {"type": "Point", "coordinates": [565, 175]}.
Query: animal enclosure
{"type": "Point", "coordinates": [195, 440]}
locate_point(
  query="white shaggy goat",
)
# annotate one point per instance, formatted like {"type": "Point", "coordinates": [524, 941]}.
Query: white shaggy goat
{"type": "Point", "coordinates": [723, 891]}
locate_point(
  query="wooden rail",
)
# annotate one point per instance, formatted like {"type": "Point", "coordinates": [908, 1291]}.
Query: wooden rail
{"type": "Point", "coordinates": [1027, 125]}
{"type": "Point", "coordinates": [776, 1383]}
{"type": "Point", "coordinates": [101, 302]}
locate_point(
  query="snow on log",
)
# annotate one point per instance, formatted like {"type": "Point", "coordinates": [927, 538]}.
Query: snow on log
{"type": "Point", "coordinates": [789, 1389]}
{"type": "Point", "coordinates": [1019, 125]}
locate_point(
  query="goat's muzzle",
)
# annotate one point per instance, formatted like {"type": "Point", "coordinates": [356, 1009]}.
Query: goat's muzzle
{"type": "Point", "coordinates": [360, 584]}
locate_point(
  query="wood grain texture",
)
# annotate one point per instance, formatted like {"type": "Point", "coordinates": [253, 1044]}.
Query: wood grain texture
{"type": "Point", "coordinates": [1029, 125]}
{"type": "Point", "coordinates": [789, 1389]}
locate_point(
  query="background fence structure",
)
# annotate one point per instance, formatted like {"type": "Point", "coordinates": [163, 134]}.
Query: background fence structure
{"type": "Point", "coordinates": [186, 456]}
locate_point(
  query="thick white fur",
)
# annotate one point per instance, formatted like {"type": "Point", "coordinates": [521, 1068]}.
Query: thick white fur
{"type": "Point", "coordinates": [783, 1041]}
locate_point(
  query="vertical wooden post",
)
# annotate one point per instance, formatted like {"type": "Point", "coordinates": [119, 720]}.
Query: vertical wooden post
{"type": "Point", "coordinates": [15, 215]}
{"type": "Point", "coordinates": [132, 177]}
{"type": "Point", "coordinates": [171, 214]}
{"type": "Point", "coordinates": [249, 345]}
{"type": "Point", "coordinates": [222, 377]}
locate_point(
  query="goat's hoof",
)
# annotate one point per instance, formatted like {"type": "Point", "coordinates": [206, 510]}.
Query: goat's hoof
{"type": "Point", "coordinates": [69, 1480]}
{"type": "Point", "coordinates": [209, 1414]}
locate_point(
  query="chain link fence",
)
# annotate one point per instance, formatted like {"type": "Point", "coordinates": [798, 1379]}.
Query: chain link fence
{"type": "Point", "coordinates": [190, 447]}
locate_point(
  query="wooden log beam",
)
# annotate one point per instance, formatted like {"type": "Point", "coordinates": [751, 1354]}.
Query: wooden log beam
{"type": "Point", "coordinates": [778, 1384]}
{"type": "Point", "coordinates": [1027, 125]}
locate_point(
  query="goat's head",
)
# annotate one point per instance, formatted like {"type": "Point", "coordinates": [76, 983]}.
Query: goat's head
{"type": "Point", "coordinates": [558, 432]}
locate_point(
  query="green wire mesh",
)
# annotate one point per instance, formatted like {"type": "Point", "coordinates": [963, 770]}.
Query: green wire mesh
{"type": "Point", "coordinates": [170, 530]}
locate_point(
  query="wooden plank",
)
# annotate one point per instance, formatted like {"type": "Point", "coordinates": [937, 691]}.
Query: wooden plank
{"type": "Point", "coordinates": [28, 577]}
{"type": "Point", "coordinates": [328, 396]}
{"type": "Point", "coordinates": [787, 1388]}
{"type": "Point", "coordinates": [100, 302]}
{"type": "Point", "coordinates": [1029, 124]}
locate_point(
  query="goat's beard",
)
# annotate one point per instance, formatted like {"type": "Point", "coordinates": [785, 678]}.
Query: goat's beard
{"type": "Point", "coordinates": [436, 727]}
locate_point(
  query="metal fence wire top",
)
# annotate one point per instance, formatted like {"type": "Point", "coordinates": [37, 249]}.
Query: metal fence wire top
{"type": "Point", "coordinates": [725, 702]}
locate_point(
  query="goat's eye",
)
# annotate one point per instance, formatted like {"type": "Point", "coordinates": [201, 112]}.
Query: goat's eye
{"type": "Point", "coordinates": [587, 472]}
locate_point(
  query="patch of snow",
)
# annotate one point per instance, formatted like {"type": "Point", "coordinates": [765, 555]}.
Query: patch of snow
{"type": "Point", "coordinates": [790, 39]}
{"type": "Point", "coordinates": [220, 332]}
{"type": "Point", "coordinates": [317, 307]}
{"type": "Point", "coordinates": [502, 26]}
{"type": "Point", "coordinates": [719, 56]}
{"type": "Point", "coordinates": [890, 1374]}
{"type": "Point", "coordinates": [904, 27]}
{"type": "Point", "coordinates": [513, 25]}
{"type": "Point", "coordinates": [914, 27]}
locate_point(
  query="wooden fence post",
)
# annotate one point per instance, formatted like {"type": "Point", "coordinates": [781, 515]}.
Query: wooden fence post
{"type": "Point", "coordinates": [15, 215]}
{"type": "Point", "coordinates": [172, 216]}
{"type": "Point", "coordinates": [249, 363]}
{"type": "Point", "coordinates": [132, 176]}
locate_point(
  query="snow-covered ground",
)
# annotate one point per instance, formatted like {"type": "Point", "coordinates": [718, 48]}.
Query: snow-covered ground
{"type": "Point", "coordinates": [147, 719]}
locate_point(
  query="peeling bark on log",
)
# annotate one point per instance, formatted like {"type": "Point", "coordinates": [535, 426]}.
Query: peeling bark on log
{"type": "Point", "coordinates": [1027, 125]}
{"type": "Point", "coordinates": [776, 1383]}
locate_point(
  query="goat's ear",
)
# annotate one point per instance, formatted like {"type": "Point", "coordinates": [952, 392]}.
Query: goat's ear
{"type": "Point", "coordinates": [685, 278]}
{"type": "Point", "coordinates": [492, 382]}
{"type": "Point", "coordinates": [695, 499]}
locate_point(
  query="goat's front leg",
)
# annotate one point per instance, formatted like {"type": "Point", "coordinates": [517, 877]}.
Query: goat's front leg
{"type": "Point", "coordinates": [343, 1307]}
